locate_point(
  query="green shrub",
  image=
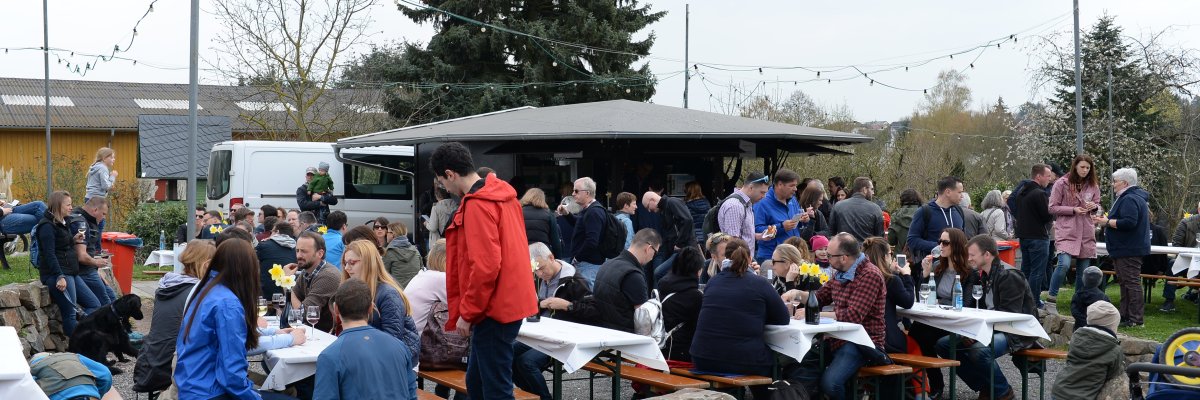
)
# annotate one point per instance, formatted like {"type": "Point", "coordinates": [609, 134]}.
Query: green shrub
{"type": "Point", "coordinates": [151, 218]}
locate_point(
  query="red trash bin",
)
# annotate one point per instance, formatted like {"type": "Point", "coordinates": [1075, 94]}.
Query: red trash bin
{"type": "Point", "coordinates": [122, 258]}
{"type": "Point", "coordinates": [1008, 251]}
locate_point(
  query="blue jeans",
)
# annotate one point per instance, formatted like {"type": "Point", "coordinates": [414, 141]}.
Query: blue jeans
{"type": "Point", "coordinates": [842, 366]}
{"type": "Point", "coordinates": [67, 299]}
{"type": "Point", "coordinates": [587, 271]}
{"type": "Point", "coordinates": [1060, 272]}
{"type": "Point", "coordinates": [527, 370]}
{"type": "Point", "coordinates": [23, 218]}
{"type": "Point", "coordinates": [1035, 254]}
{"type": "Point", "coordinates": [663, 269]}
{"type": "Point", "coordinates": [91, 280]}
{"type": "Point", "coordinates": [977, 359]}
{"type": "Point", "coordinates": [489, 366]}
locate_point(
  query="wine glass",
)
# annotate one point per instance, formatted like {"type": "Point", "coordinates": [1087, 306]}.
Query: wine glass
{"type": "Point", "coordinates": [277, 299]}
{"type": "Point", "coordinates": [977, 293]}
{"type": "Point", "coordinates": [262, 306]}
{"type": "Point", "coordinates": [295, 317]}
{"type": "Point", "coordinates": [925, 289]}
{"type": "Point", "coordinates": [313, 315]}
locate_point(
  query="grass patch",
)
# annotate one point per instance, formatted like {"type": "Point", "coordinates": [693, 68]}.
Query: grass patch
{"type": "Point", "coordinates": [1159, 325]}
{"type": "Point", "coordinates": [22, 271]}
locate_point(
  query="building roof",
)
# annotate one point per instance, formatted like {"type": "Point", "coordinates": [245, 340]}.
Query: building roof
{"type": "Point", "coordinates": [117, 105]}
{"type": "Point", "coordinates": [614, 119]}
{"type": "Point", "coordinates": [163, 144]}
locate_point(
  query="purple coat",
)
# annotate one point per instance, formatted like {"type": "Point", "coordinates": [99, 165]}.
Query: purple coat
{"type": "Point", "coordinates": [1074, 234]}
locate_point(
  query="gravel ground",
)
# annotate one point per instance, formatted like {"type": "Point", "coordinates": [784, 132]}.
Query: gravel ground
{"type": "Point", "coordinates": [573, 389]}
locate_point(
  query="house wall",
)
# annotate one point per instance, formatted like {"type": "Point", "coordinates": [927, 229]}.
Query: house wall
{"type": "Point", "coordinates": [26, 150]}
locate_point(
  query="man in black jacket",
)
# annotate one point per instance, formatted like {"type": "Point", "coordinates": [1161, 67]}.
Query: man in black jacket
{"type": "Point", "coordinates": [589, 227]}
{"type": "Point", "coordinates": [620, 287]}
{"type": "Point", "coordinates": [1004, 290]}
{"type": "Point", "coordinates": [279, 248]}
{"type": "Point", "coordinates": [313, 202]}
{"type": "Point", "coordinates": [677, 230]}
{"type": "Point", "coordinates": [1033, 229]}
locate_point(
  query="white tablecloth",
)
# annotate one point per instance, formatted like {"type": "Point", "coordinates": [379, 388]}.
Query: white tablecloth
{"type": "Point", "coordinates": [1189, 262]}
{"type": "Point", "coordinates": [166, 258]}
{"type": "Point", "coordinates": [15, 380]}
{"type": "Point", "coordinates": [1187, 258]}
{"type": "Point", "coordinates": [795, 339]}
{"type": "Point", "coordinates": [576, 344]}
{"type": "Point", "coordinates": [295, 363]}
{"type": "Point", "coordinates": [975, 324]}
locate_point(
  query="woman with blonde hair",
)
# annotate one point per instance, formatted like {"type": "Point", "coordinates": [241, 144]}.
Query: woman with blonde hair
{"type": "Point", "coordinates": [392, 313]}
{"type": "Point", "coordinates": [540, 224]}
{"type": "Point", "coordinates": [785, 263]}
{"type": "Point", "coordinates": [152, 372]}
{"type": "Point", "coordinates": [100, 176]}
{"type": "Point", "coordinates": [401, 258]}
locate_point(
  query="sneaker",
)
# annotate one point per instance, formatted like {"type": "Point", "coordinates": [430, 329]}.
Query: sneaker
{"type": "Point", "coordinates": [1131, 324]}
{"type": "Point", "coordinates": [1168, 306]}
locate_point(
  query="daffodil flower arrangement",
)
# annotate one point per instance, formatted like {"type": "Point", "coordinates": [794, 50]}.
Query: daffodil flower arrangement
{"type": "Point", "coordinates": [809, 276]}
{"type": "Point", "coordinates": [323, 229]}
{"type": "Point", "coordinates": [282, 280]}
{"type": "Point", "coordinates": [215, 229]}
{"type": "Point", "coordinates": [1187, 215]}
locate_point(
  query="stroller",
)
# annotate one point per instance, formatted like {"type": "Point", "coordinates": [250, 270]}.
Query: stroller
{"type": "Point", "coordinates": [1174, 371]}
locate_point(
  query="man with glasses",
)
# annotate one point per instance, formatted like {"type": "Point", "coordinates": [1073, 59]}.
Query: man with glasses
{"type": "Point", "coordinates": [620, 286]}
{"type": "Point", "coordinates": [181, 232]}
{"type": "Point", "coordinates": [736, 218]}
{"type": "Point", "coordinates": [589, 228]}
{"type": "Point", "coordinates": [858, 215]}
{"type": "Point", "coordinates": [212, 225]}
{"type": "Point", "coordinates": [857, 293]}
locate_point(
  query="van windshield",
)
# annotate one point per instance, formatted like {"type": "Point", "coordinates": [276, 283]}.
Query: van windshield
{"type": "Point", "coordinates": [218, 174]}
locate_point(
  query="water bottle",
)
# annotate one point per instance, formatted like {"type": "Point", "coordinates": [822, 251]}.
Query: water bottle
{"type": "Point", "coordinates": [932, 299]}
{"type": "Point", "coordinates": [957, 294]}
{"type": "Point", "coordinates": [162, 240]}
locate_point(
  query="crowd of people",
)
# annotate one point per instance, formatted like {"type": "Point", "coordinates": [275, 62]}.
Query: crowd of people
{"type": "Point", "coordinates": [722, 271]}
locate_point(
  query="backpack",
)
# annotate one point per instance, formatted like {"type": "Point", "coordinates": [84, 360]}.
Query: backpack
{"type": "Point", "coordinates": [1012, 199]}
{"type": "Point", "coordinates": [648, 320]}
{"type": "Point", "coordinates": [34, 248]}
{"type": "Point", "coordinates": [612, 238]}
{"type": "Point", "coordinates": [711, 224]}
{"type": "Point", "coordinates": [441, 350]}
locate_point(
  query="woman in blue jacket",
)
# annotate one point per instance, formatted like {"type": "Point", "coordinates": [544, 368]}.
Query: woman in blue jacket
{"type": "Point", "coordinates": [737, 307]}
{"type": "Point", "coordinates": [391, 314]}
{"type": "Point", "coordinates": [219, 326]}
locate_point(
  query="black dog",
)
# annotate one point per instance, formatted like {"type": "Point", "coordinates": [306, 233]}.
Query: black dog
{"type": "Point", "coordinates": [107, 330]}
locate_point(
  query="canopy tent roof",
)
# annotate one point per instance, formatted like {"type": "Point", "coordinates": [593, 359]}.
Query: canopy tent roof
{"type": "Point", "coordinates": [575, 125]}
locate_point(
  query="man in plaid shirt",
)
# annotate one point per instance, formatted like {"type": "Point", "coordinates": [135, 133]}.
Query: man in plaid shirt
{"type": "Point", "coordinates": [736, 216]}
{"type": "Point", "coordinates": [857, 293]}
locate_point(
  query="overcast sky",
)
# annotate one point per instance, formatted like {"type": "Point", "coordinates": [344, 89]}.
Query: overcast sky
{"type": "Point", "coordinates": [778, 33]}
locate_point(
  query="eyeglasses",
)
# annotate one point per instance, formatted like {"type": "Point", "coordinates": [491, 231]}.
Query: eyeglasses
{"type": "Point", "coordinates": [831, 255]}
{"type": "Point", "coordinates": [352, 262]}
{"type": "Point", "coordinates": [655, 250]}
{"type": "Point", "coordinates": [380, 227]}
{"type": "Point", "coordinates": [778, 261]}
{"type": "Point", "coordinates": [764, 179]}
{"type": "Point", "coordinates": [944, 242]}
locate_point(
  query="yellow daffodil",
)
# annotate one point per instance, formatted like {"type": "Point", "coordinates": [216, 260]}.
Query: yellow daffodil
{"type": "Point", "coordinates": [323, 229]}
{"type": "Point", "coordinates": [287, 281]}
{"type": "Point", "coordinates": [814, 269]}
{"type": "Point", "coordinates": [276, 272]}
{"type": "Point", "coordinates": [824, 278]}
{"type": "Point", "coordinates": [212, 229]}
{"type": "Point", "coordinates": [1187, 215]}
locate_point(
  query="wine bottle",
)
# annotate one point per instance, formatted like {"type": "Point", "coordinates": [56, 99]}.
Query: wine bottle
{"type": "Point", "coordinates": [812, 309]}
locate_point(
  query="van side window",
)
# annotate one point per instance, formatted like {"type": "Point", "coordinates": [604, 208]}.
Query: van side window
{"type": "Point", "coordinates": [370, 183]}
{"type": "Point", "coordinates": [218, 174]}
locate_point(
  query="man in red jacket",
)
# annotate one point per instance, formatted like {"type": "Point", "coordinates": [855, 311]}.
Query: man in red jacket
{"type": "Point", "coordinates": [486, 249]}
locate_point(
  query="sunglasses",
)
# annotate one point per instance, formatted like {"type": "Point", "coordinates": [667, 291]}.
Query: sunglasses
{"type": "Point", "coordinates": [764, 179]}
{"type": "Point", "coordinates": [380, 227]}
{"type": "Point", "coordinates": [777, 261]}
{"type": "Point", "coordinates": [578, 190]}
{"type": "Point", "coordinates": [944, 242]}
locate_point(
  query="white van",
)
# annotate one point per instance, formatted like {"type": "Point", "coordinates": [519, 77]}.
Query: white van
{"type": "Point", "coordinates": [254, 173]}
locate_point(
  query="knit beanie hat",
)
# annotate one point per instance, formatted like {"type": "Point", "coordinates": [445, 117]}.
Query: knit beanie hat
{"type": "Point", "coordinates": [818, 242]}
{"type": "Point", "coordinates": [324, 166]}
{"type": "Point", "coordinates": [1092, 277]}
{"type": "Point", "coordinates": [1103, 314]}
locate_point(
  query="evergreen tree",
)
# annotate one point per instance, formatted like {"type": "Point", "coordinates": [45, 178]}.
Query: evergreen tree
{"type": "Point", "coordinates": [506, 64]}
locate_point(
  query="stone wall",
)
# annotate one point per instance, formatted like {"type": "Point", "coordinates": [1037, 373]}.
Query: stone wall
{"type": "Point", "coordinates": [27, 307]}
{"type": "Point", "coordinates": [1060, 328]}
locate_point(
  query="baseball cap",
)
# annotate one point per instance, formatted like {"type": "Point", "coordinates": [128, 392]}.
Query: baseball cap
{"type": "Point", "coordinates": [310, 171]}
